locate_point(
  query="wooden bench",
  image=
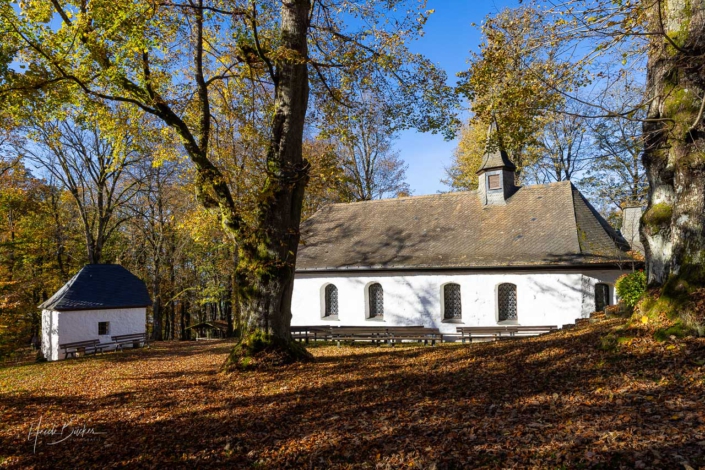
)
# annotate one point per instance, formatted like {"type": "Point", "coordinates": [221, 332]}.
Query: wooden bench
{"type": "Point", "coordinates": [135, 339]}
{"type": "Point", "coordinates": [503, 331]}
{"type": "Point", "coordinates": [82, 347]}
{"type": "Point", "coordinates": [397, 334]}
{"type": "Point", "coordinates": [375, 334]}
{"type": "Point", "coordinates": [533, 330]}
{"type": "Point", "coordinates": [494, 332]}
{"type": "Point", "coordinates": [305, 333]}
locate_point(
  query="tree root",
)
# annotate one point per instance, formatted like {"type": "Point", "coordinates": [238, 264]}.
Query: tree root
{"type": "Point", "coordinates": [678, 308]}
{"type": "Point", "coordinates": [259, 350]}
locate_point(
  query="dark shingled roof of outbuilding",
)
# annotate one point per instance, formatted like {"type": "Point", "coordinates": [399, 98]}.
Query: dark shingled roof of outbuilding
{"type": "Point", "coordinates": [100, 286]}
{"type": "Point", "coordinates": [540, 225]}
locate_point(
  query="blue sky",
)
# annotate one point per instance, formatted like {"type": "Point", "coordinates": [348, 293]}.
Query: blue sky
{"type": "Point", "coordinates": [448, 40]}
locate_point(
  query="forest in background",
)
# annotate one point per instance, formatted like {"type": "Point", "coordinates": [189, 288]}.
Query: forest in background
{"type": "Point", "coordinates": [72, 195]}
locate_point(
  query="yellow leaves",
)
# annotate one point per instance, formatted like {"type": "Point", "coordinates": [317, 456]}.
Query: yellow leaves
{"type": "Point", "coordinates": [467, 157]}
{"type": "Point", "coordinates": [38, 11]}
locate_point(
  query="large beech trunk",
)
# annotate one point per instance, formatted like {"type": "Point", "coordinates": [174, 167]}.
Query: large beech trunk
{"type": "Point", "coordinates": [674, 156]}
{"type": "Point", "coordinates": [267, 257]}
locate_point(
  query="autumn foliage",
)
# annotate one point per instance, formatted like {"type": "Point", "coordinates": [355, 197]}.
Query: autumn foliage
{"type": "Point", "coordinates": [556, 401]}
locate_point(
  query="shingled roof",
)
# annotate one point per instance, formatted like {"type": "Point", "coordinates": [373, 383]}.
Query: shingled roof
{"type": "Point", "coordinates": [100, 286]}
{"type": "Point", "coordinates": [541, 225]}
{"type": "Point", "coordinates": [496, 159]}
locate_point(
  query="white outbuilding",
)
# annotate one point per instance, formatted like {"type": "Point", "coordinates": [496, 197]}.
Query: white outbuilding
{"type": "Point", "coordinates": [101, 301]}
{"type": "Point", "coordinates": [501, 255]}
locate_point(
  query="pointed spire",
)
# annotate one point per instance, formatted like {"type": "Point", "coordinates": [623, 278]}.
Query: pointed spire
{"type": "Point", "coordinates": [497, 158]}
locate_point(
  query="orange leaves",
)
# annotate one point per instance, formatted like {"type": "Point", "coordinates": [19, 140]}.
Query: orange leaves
{"type": "Point", "coordinates": [537, 403]}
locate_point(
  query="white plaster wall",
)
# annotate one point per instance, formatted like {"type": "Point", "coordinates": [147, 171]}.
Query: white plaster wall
{"type": "Point", "coordinates": [50, 335]}
{"type": "Point", "coordinates": [589, 281]}
{"type": "Point", "coordinates": [82, 325]}
{"type": "Point", "coordinates": [543, 297]}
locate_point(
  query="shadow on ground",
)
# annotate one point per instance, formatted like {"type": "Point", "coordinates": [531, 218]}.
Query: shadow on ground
{"type": "Point", "coordinates": [559, 401]}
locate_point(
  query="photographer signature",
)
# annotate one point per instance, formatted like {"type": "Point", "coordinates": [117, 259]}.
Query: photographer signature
{"type": "Point", "coordinates": [58, 434]}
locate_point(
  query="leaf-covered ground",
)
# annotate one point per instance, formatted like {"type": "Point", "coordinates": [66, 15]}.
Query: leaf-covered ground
{"type": "Point", "coordinates": [558, 401]}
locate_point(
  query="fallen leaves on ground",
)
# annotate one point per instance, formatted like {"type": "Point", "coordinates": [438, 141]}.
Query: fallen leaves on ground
{"type": "Point", "coordinates": [557, 401]}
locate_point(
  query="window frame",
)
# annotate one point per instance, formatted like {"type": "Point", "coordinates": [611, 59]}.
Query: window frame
{"type": "Point", "coordinates": [498, 175]}
{"type": "Point", "coordinates": [510, 321]}
{"type": "Point", "coordinates": [444, 311]}
{"type": "Point", "coordinates": [368, 299]}
{"type": "Point", "coordinates": [608, 290]}
{"type": "Point", "coordinates": [325, 300]}
{"type": "Point", "coordinates": [107, 328]}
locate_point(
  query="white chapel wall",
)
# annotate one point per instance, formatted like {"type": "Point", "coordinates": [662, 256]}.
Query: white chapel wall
{"type": "Point", "coordinates": [82, 325]}
{"type": "Point", "coordinates": [50, 335]}
{"type": "Point", "coordinates": [543, 297]}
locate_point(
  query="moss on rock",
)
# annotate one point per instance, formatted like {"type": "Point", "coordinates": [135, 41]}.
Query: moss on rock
{"type": "Point", "coordinates": [678, 330]}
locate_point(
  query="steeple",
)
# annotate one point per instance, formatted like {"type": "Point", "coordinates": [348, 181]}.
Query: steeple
{"type": "Point", "coordinates": [496, 174]}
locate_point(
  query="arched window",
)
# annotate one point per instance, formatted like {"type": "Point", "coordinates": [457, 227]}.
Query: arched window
{"type": "Point", "coordinates": [331, 301]}
{"type": "Point", "coordinates": [602, 296]}
{"type": "Point", "coordinates": [376, 295]}
{"type": "Point", "coordinates": [452, 309]}
{"type": "Point", "coordinates": [507, 302]}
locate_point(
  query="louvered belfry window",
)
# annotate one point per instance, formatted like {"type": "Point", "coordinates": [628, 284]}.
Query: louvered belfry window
{"type": "Point", "coordinates": [452, 309]}
{"type": "Point", "coordinates": [507, 300]}
{"type": "Point", "coordinates": [376, 300]}
{"type": "Point", "coordinates": [602, 296]}
{"type": "Point", "coordinates": [331, 301]}
{"type": "Point", "coordinates": [493, 181]}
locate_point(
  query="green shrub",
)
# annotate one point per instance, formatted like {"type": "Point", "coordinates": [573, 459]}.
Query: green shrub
{"type": "Point", "coordinates": [631, 287]}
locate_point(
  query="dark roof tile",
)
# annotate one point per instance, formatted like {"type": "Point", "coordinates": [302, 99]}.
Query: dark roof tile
{"type": "Point", "coordinates": [100, 286]}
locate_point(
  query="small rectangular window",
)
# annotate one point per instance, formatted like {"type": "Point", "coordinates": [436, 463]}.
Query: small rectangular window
{"type": "Point", "coordinates": [602, 297]}
{"type": "Point", "coordinates": [104, 328]}
{"type": "Point", "coordinates": [493, 182]}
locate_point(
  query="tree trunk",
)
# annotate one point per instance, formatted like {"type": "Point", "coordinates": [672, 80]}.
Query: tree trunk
{"type": "Point", "coordinates": [267, 261]}
{"type": "Point", "coordinates": [185, 320]}
{"type": "Point", "coordinates": [674, 155]}
{"type": "Point", "coordinates": [267, 255]}
{"type": "Point", "coordinates": [157, 313]}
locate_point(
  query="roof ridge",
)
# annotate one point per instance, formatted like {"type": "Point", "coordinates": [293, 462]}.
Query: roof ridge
{"type": "Point", "coordinates": [394, 199]}
{"type": "Point", "coordinates": [436, 195]}
{"type": "Point", "coordinates": [543, 185]}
